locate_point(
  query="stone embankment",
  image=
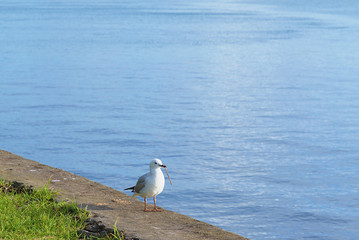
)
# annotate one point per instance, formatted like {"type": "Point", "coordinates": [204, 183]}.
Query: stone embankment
{"type": "Point", "coordinates": [109, 206]}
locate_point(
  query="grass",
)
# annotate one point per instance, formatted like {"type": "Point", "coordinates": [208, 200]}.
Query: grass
{"type": "Point", "coordinates": [27, 213]}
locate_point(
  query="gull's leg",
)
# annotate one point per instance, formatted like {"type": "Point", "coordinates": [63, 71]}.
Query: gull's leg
{"type": "Point", "coordinates": [155, 209]}
{"type": "Point", "coordinates": [146, 210]}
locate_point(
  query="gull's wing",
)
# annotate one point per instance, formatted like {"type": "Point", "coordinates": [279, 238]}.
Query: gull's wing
{"type": "Point", "coordinates": [141, 182]}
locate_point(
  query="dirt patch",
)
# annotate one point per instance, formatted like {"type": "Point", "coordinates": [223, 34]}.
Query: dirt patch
{"type": "Point", "coordinates": [109, 205]}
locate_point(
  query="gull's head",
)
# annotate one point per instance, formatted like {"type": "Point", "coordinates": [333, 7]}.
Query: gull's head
{"type": "Point", "coordinates": [156, 163]}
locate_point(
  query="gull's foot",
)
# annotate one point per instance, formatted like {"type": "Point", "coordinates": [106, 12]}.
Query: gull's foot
{"type": "Point", "coordinates": [157, 210]}
{"type": "Point", "coordinates": [147, 210]}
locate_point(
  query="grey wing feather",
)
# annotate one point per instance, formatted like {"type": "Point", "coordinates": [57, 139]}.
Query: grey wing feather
{"type": "Point", "coordinates": [141, 182]}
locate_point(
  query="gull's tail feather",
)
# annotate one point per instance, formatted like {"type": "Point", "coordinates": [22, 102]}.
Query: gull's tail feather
{"type": "Point", "coordinates": [130, 188]}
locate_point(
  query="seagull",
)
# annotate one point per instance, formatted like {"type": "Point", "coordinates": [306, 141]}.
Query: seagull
{"type": "Point", "coordinates": [150, 184]}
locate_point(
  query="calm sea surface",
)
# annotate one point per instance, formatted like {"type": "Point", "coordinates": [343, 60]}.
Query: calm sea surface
{"type": "Point", "coordinates": [252, 105]}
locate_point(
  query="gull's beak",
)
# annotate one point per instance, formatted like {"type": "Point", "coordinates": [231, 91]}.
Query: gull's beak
{"type": "Point", "coordinates": [164, 166]}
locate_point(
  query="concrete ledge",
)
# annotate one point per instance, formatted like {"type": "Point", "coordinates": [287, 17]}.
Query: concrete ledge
{"type": "Point", "coordinates": [109, 205]}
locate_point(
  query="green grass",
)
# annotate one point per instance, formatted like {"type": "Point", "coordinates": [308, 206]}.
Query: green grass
{"type": "Point", "coordinates": [27, 213]}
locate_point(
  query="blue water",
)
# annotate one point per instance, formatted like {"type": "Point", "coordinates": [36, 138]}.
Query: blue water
{"type": "Point", "coordinates": [252, 105]}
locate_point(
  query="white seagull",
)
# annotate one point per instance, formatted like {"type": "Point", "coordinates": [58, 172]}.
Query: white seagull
{"type": "Point", "coordinates": [150, 184]}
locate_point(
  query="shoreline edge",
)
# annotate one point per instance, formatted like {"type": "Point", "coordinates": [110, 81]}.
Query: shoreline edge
{"type": "Point", "coordinates": [108, 205]}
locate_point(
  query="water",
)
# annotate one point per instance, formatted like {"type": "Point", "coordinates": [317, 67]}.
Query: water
{"type": "Point", "coordinates": [252, 105]}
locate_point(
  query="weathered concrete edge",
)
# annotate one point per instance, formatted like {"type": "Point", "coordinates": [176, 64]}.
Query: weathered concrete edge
{"type": "Point", "coordinates": [106, 203]}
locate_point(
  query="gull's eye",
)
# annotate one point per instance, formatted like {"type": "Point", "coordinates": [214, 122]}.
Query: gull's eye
{"type": "Point", "coordinates": [155, 163]}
